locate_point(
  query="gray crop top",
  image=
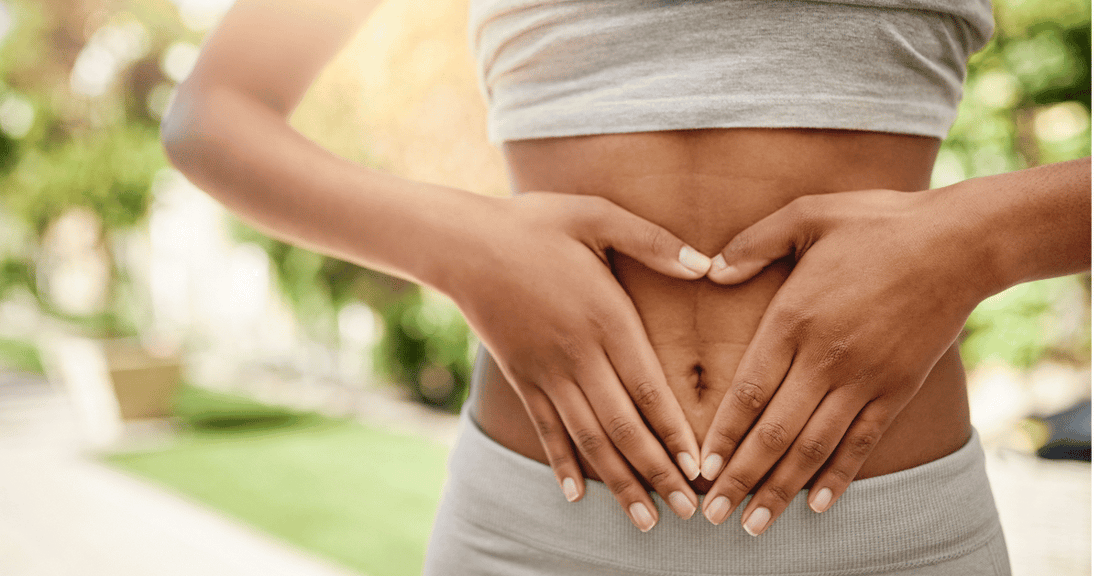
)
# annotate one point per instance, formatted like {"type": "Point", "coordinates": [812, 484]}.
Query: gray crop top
{"type": "Point", "coordinates": [569, 67]}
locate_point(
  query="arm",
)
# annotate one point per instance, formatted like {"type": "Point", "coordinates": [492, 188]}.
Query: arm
{"type": "Point", "coordinates": [530, 273]}
{"type": "Point", "coordinates": [883, 284]}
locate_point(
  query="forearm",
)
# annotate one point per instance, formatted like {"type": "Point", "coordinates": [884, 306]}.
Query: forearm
{"type": "Point", "coordinates": [247, 156]}
{"type": "Point", "coordinates": [1033, 223]}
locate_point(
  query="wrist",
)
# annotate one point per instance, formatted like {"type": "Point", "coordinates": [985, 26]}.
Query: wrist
{"type": "Point", "coordinates": [974, 246]}
{"type": "Point", "coordinates": [457, 241]}
{"type": "Point", "coordinates": [1026, 225]}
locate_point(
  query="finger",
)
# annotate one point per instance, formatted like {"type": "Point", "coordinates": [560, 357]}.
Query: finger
{"type": "Point", "coordinates": [594, 445]}
{"type": "Point", "coordinates": [647, 243]}
{"type": "Point", "coordinates": [638, 368]}
{"type": "Point", "coordinates": [628, 432]}
{"type": "Point", "coordinates": [556, 443]}
{"type": "Point", "coordinates": [777, 235]}
{"type": "Point", "coordinates": [854, 449]}
{"type": "Point", "coordinates": [764, 445]}
{"type": "Point", "coordinates": [807, 454]}
{"type": "Point", "coordinates": [763, 367]}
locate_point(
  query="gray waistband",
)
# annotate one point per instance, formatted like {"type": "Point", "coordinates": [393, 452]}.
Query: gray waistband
{"type": "Point", "coordinates": [916, 517]}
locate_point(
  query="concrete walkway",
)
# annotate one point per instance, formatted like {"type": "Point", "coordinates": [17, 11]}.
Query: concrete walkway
{"type": "Point", "coordinates": [64, 514]}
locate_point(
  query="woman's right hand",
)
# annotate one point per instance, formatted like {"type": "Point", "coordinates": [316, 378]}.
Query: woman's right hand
{"type": "Point", "coordinates": [536, 287]}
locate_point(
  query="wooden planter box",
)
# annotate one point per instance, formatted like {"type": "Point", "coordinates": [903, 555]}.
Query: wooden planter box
{"type": "Point", "coordinates": [144, 385]}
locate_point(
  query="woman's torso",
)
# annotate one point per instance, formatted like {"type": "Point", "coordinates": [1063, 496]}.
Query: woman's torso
{"type": "Point", "coordinates": [705, 186]}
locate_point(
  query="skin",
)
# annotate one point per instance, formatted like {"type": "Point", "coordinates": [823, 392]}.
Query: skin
{"type": "Point", "coordinates": [633, 357]}
{"type": "Point", "coordinates": [724, 182]}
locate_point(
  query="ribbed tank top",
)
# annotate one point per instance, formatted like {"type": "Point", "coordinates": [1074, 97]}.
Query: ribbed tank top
{"type": "Point", "coordinates": [551, 68]}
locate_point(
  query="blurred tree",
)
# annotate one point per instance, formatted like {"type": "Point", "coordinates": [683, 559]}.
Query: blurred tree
{"type": "Point", "coordinates": [71, 135]}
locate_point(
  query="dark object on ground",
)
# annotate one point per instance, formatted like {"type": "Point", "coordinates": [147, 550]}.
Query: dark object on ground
{"type": "Point", "coordinates": [1070, 434]}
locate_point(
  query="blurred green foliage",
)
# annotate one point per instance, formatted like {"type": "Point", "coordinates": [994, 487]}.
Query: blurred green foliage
{"type": "Point", "coordinates": [1045, 320]}
{"type": "Point", "coordinates": [20, 355]}
{"type": "Point", "coordinates": [1028, 93]}
{"type": "Point", "coordinates": [425, 345]}
{"type": "Point", "coordinates": [61, 151]}
{"type": "Point", "coordinates": [107, 171]}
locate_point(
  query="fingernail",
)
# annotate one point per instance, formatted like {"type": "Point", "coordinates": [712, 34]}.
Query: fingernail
{"type": "Point", "coordinates": [570, 488]}
{"type": "Point", "coordinates": [712, 466]}
{"type": "Point", "coordinates": [718, 263]}
{"type": "Point", "coordinates": [757, 521]}
{"type": "Point", "coordinates": [642, 518]}
{"type": "Point", "coordinates": [717, 510]}
{"type": "Point", "coordinates": [681, 505]}
{"type": "Point", "coordinates": [821, 500]}
{"type": "Point", "coordinates": [688, 465]}
{"type": "Point", "coordinates": [693, 260]}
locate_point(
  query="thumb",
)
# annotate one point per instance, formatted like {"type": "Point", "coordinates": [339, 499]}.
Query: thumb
{"type": "Point", "coordinates": [766, 241]}
{"type": "Point", "coordinates": [650, 244]}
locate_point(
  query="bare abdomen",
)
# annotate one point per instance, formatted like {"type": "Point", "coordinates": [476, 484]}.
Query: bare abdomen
{"type": "Point", "coordinates": [706, 186]}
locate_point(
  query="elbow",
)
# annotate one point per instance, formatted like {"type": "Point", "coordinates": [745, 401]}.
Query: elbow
{"type": "Point", "coordinates": [179, 129]}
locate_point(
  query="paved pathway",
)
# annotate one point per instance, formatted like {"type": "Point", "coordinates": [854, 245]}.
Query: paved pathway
{"type": "Point", "coordinates": [64, 514]}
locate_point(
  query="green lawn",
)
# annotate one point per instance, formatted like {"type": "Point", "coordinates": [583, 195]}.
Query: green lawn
{"type": "Point", "coordinates": [20, 355]}
{"type": "Point", "coordinates": [362, 497]}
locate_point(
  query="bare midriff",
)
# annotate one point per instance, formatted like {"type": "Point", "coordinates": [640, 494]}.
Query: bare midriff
{"type": "Point", "coordinates": [705, 186]}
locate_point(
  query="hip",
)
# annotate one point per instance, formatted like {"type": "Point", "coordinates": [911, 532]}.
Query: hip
{"type": "Point", "coordinates": [502, 513]}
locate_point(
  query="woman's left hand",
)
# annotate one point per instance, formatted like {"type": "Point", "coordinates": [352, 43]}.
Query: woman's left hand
{"type": "Point", "coordinates": [883, 283]}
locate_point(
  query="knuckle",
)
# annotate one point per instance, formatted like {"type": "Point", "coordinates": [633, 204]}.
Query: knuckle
{"type": "Point", "coordinates": [545, 429]}
{"type": "Point", "coordinates": [795, 319]}
{"type": "Point", "coordinates": [551, 387]}
{"type": "Point", "coordinates": [739, 483]}
{"type": "Point", "coordinates": [654, 239]}
{"type": "Point", "coordinates": [726, 438]}
{"type": "Point", "coordinates": [571, 348]}
{"type": "Point", "coordinates": [646, 395]}
{"type": "Point", "coordinates": [841, 475]}
{"type": "Point", "coordinates": [658, 477]}
{"type": "Point", "coordinates": [837, 354]}
{"type": "Point", "coordinates": [623, 431]}
{"type": "Point", "coordinates": [813, 451]}
{"type": "Point", "coordinates": [803, 208]}
{"type": "Point", "coordinates": [671, 438]}
{"type": "Point", "coordinates": [741, 244]}
{"type": "Point", "coordinates": [861, 444]}
{"type": "Point", "coordinates": [779, 492]}
{"type": "Point", "coordinates": [773, 436]}
{"type": "Point", "coordinates": [590, 442]}
{"type": "Point", "coordinates": [750, 397]}
{"type": "Point", "coordinates": [559, 460]}
{"type": "Point", "coordinates": [620, 486]}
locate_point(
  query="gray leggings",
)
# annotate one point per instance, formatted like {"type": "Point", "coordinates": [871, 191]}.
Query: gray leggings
{"type": "Point", "coordinates": [503, 514]}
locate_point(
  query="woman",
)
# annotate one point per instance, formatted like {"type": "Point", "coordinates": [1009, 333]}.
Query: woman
{"type": "Point", "coordinates": [778, 148]}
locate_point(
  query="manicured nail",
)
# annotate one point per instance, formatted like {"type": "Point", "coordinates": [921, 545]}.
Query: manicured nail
{"type": "Point", "coordinates": [642, 518]}
{"type": "Point", "coordinates": [712, 466]}
{"type": "Point", "coordinates": [693, 260]}
{"type": "Point", "coordinates": [757, 521]}
{"type": "Point", "coordinates": [718, 263]}
{"type": "Point", "coordinates": [570, 488]}
{"type": "Point", "coordinates": [718, 510]}
{"type": "Point", "coordinates": [688, 465]}
{"type": "Point", "coordinates": [681, 505]}
{"type": "Point", "coordinates": [821, 500]}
